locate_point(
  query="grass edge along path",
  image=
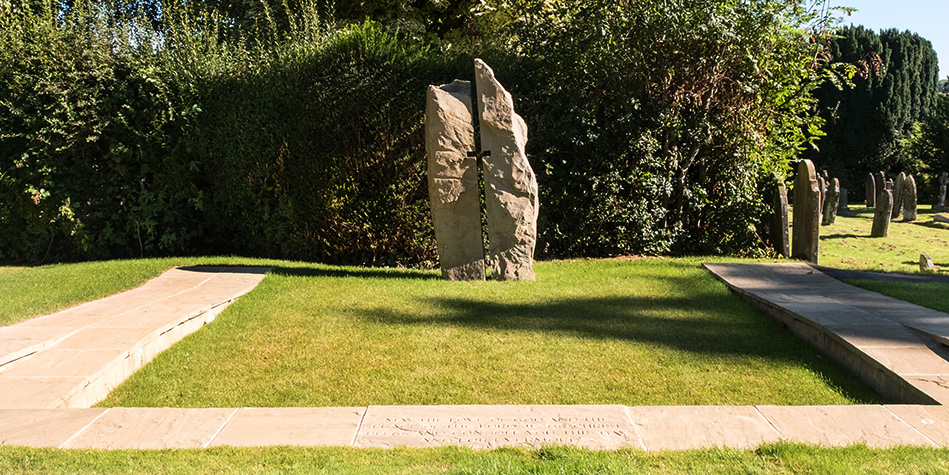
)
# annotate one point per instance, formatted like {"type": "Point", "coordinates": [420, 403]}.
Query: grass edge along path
{"type": "Point", "coordinates": [769, 458]}
{"type": "Point", "coordinates": [645, 332]}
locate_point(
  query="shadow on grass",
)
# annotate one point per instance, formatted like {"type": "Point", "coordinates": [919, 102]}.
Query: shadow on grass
{"type": "Point", "coordinates": [841, 236]}
{"type": "Point", "coordinates": [364, 273]}
{"type": "Point", "coordinates": [721, 329]}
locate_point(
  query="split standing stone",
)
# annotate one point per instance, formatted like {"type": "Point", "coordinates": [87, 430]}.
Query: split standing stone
{"type": "Point", "coordinates": [510, 186]}
{"type": "Point", "coordinates": [898, 195]}
{"type": "Point", "coordinates": [881, 219]}
{"type": "Point", "coordinates": [453, 181]}
{"type": "Point", "coordinates": [830, 204]}
{"type": "Point", "coordinates": [779, 222]}
{"type": "Point", "coordinates": [909, 198]}
{"type": "Point", "coordinates": [871, 191]}
{"type": "Point", "coordinates": [806, 232]}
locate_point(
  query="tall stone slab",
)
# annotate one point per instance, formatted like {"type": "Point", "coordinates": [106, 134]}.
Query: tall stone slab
{"type": "Point", "coordinates": [871, 191]}
{"type": "Point", "coordinates": [842, 202]}
{"type": "Point", "coordinates": [879, 182]}
{"type": "Point", "coordinates": [940, 205]}
{"type": "Point", "coordinates": [779, 221]}
{"type": "Point", "coordinates": [453, 181]}
{"type": "Point", "coordinates": [830, 203]}
{"type": "Point", "coordinates": [510, 186]}
{"type": "Point", "coordinates": [806, 230]}
{"type": "Point", "coordinates": [909, 198]}
{"type": "Point", "coordinates": [881, 218]}
{"type": "Point", "coordinates": [898, 194]}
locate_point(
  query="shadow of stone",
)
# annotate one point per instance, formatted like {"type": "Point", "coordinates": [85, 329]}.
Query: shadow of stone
{"type": "Point", "coordinates": [365, 273]}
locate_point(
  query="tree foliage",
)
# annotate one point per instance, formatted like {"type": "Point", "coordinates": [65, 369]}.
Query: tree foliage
{"type": "Point", "coordinates": [867, 122]}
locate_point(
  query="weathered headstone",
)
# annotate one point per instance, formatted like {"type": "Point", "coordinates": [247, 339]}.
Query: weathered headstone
{"type": "Point", "coordinates": [909, 198]}
{"type": "Point", "coordinates": [898, 194]}
{"type": "Point", "coordinates": [879, 183]}
{"type": "Point", "coordinates": [842, 202]}
{"type": "Point", "coordinates": [510, 187]}
{"type": "Point", "coordinates": [926, 265]}
{"type": "Point", "coordinates": [940, 206]}
{"type": "Point", "coordinates": [871, 191]}
{"type": "Point", "coordinates": [806, 230]}
{"type": "Point", "coordinates": [881, 218]}
{"type": "Point", "coordinates": [453, 181]}
{"type": "Point", "coordinates": [941, 218]}
{"type": "Point", "coordinates": [824, 183]}
{"type": "Point", "coordinates": [779, 221]}
{"type": "Point", "coordinates": [830, 204]}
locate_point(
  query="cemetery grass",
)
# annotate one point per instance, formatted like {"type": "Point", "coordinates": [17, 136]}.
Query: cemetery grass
{"type": "Point", "coordinates": [771, 458]}
{"type": "Point", "coordinates": [618, 331]}
{"type": "Point", "coordinates": [27, 292]}
{"type": "Point", "coordinates": [847, 244]}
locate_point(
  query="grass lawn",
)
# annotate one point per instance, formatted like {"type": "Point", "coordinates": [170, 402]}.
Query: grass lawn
{"type": "Point", "coordinates": [847, 244]}
{"type": "Point", "coordinates": [635, 332]}
{"type": "Point", "coordinates": [771, 459]}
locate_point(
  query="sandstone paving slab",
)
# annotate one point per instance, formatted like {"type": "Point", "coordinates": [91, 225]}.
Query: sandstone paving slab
{"type": "Point", "coordinates": [56, 363]}
{"type": "Point", "coordinates": [43, 427]}
{"type": "Point", "coordinates": [297, 426]}
{"type": "Point", "coordinates": [934, 386]}
{"type": "Point", "coordinates": [931, 421]}
{"type": "Point", "coordinates": [698, 427]}
{"type": "Point", "coordinates": [485, 427]}
{"type": "Point", "coordinates": [152, 428]}
{"type": "Point", "coordinates": [104, 338]}
{"type": "Point", "coordinates": [842, 425]}
{"type": "Point", "coordinates": [885, 335]}
{"type": "Point", "coordinates": [910, 361]}
{"type": "Point", "coordinates": [39, 393]}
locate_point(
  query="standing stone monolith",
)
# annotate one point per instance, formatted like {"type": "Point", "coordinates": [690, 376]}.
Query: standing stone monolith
{"type": "Point", "coordinates": [842, 202]}
{"type": "Point", "coordinates": [510, 186]}
{"type": "Point", "coordinates": [881, 218]}
{"type": "Point", "coordinates": [830, 203]}
{"type": "Point", "coordinates": [779, 221]}
{"type": "Point", "coordinates": [879, 183]}
{"type": "Point", "coordinates": [898, 195]}
{"type": "Point", "coordinates": [805, 239]}
{"type": "Point", "coordinates": [871, 191]}
{"type": "Point", "coordinates": [909, 198]}
{"type": "Point", "coordinates": [453, 181]}
{"type": "Point", "coordinates": [940, 205]}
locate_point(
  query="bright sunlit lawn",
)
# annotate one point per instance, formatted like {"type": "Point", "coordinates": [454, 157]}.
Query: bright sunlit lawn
{"type": "Point", "coordinates": [635, 332]}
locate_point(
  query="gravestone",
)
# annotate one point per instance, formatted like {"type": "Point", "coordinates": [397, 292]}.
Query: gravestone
{"type": "Point", "coordinates": [824, 183]}
{"type": "Point", "coordinates": [830, 204]}
{"type": "Point", "coordinates": [898, 194]}
{"type": "Point", "coordinates": [909, 198]}
{"type": "Point", "coordinates": [510, 186]}
{"type": "Point", "coordinates": [879, 183]}
{"type": "Point", "coordinates": [453, 185]}
{"type": "Point", "coordinates": [842, 202]}
{"type": "Point", "coordinates": [871, 191]}
{"type": "Point", "coordinates": [940, 206]}
{"type": "Point", "coordinates": [806, 230]}
{"type": "Point", "coordinates": [926, 265]}
{"type": "Point", "coordinates": [779, 221]}
{"type": "Point", "coordinates": [881, 218]}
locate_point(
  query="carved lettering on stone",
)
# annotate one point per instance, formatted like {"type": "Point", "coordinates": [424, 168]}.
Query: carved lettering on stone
{"type": "Point", "coordinates": [511, 201]}
{"type": "Point", "coordinates": [806, 230]}
{"type": "Point", "coordinates": [830, 204]}
{"type": "Point", "coordinates": [881, 218]}
{"type": "Point", "coordinates": [779, 223]}
{"type": "Point", "coordinates": [871, 191]}
{"type": "Point", "coordinates": [453, 181]}
{"type": "Point", "coordinates": [909, 198]}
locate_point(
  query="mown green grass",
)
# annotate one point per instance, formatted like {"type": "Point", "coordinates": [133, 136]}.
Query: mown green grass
{"type": "Point", "coordinates": [769, 459]}
{"type": "Point", "coordinates": [27, 292]}
{"type": "Point", "coordinates": [930, 295]}
{"type": "Point", "coordinates": [652, 331]}
{"type": "Point", "coordinates": [847, 244]}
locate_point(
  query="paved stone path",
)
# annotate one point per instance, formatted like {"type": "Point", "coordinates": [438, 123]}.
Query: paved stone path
{"type": "Point", "coordinates": [868, 330]}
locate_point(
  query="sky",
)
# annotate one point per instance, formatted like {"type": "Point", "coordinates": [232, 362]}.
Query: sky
{"type": "Point", "coordinates": [926, 17]}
